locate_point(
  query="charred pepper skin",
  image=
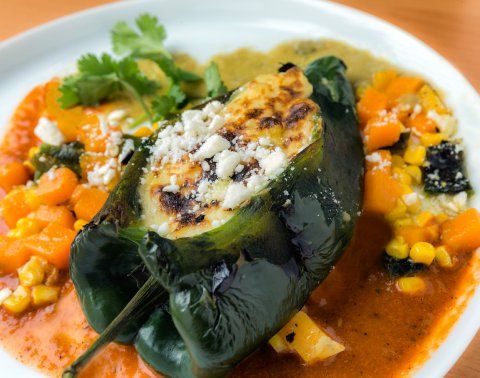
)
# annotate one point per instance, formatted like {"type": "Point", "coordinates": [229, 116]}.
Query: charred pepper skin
{"type": "Point", "coordinates": [225, 292]}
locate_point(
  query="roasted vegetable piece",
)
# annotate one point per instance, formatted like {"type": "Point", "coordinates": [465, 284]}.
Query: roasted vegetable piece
{"type": "Point", "coordinates": [196, 306]}
{"type": "Point", "coordinates": [66, 155]}
{"type": "Point", "coordinates": [401, 267]}
{"type": "Point", "coordinates": [443, 169]}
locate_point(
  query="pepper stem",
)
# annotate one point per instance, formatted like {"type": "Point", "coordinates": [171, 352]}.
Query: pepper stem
{"type": "Point", "coordinates": [149, 289]}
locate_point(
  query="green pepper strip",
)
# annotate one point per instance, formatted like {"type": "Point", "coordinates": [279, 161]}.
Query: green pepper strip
{"type": "Point", "coordinates": [147, 293]}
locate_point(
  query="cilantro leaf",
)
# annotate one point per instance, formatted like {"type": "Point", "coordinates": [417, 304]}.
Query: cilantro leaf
{"type": "Point", "coordinates": [149, 40]}
{"type": "Point", "coordinates": [213, 81]}
{"type": "Point", "coordinates": [162, 106]}
{"type": "Point", "coordinates": [102, 78]}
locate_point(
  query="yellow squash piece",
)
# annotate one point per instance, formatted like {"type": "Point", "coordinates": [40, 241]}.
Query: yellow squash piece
{"type": "Point", "coordinates": [302, 335]}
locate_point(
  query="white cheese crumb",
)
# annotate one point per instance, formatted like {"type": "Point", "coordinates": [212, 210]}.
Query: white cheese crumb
{"type": "Point", "coordinates": [205, 166]}
{"type": "Point", "coordinates": [226, 161]}
{"type": "Point", "coordinates": [236, 193]}
{"type": "Point", "coordinates": [116, 116]}
{"type": "Point", "coordinates": [213, 145]}
{"type": "Point", "coordinates": [171, 188]}
{"type": "Point", "coordinates": [4, 294]}
{"type": "Point", "coordinates": [48, 132]}
{"type": "Point", "coordinates": [274, 163]}
{"type": "Point", "coordinates": [163, 229]}
{"type": "Point", "coordinates": [445, 122]}
{"type": "Point", "coordinates": [410, 198]}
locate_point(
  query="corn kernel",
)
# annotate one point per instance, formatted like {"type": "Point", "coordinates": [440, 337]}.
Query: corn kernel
{"type": "Point", "coordinates": [32, 273]}
{"type": "Point", "coordinates": [443, 258]}
{"type": "Point", "coordinates": [442, 217]}
{"type": "Point", "coordinates": [415, 173]}
{"type": "Point", "coordinates": [43, 295]}
{"type": "Point", "coordinates": [397, 161]}
{"type": "Point", "coordinates": [18, 301]}
{"type": "Point", "coordinates": [412, 201]}
{"type": "Point", "coordinates": [14, 233]}
{"type": "Point", "coordinates": [52, 275]}
{"type": "Point", "coordinates": [398, 212]}
{"type": "Point", "coordinates": [411, 285]}
{"type": "Point", "coordinates": [432, 139]}
{"type": "Point", "coordinates": [397, 248]}
{"type": "Point", "coordinates": [402, 176]}
{"type": "Point", "coordinates": [33, 151]}
{"type": "Point", "coordinates": [28, 226]}
{"type": "Point", "coordinates": [279, 344]}
{"type": "Point", "coordinates": [79, 224]}
{"type": "Point", "coordinates": [424, 218]}
{"type": "Point", "coordinates": [403, 222]}
{"type": "Point", "coordinates": [143, 132]}
{"type": "Point", "coordinates": [406, 189]}
{"type": "Point", "coordinates": [422, 252]}
{"type": "Point", "coordinates": [32, 200]}
{"type": "Point", "coordinates": [415, 155]}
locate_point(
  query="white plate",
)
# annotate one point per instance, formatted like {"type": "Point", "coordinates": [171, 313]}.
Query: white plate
{"type": "Point", "coordinates": [205, 27]}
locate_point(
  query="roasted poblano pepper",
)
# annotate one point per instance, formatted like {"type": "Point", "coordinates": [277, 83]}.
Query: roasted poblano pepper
{"type": "Point", "coordinates": [198, 305]}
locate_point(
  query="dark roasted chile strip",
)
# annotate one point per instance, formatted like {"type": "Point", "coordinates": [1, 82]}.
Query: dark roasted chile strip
{"type": "Point", "coordinates": [443, 171]}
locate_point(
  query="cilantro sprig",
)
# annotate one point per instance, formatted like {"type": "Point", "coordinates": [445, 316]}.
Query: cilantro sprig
{"type": "Point", "coordinates": [101, 78]}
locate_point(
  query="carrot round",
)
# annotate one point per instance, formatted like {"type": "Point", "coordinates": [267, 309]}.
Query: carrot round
{"type": "Point", "coordinates": [382, 131]}
{"type": "Point", "coordinates": [13, 174]}
{"type": "Point", "coordinates": [13, 254]}
{"type": "Point", "coordinates": [89, 203]}
{"type": "Point", "coordinates": [56, 187]}
{"type": "Point", "coordinates": [53, 214]}
{"type": "Point", "coordinates": [13, 207]}
{"type": "Point", "coordinates": [53, 244]}
{"type": "Point", "coordinates": [462, 233]}
{"type": "Point", "coordinates": [381, 192]}
{"type": "Point", "coordinates": [371, 103]}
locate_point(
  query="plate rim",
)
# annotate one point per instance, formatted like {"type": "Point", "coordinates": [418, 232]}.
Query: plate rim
{"type": "Point", "coordinates": [466, 326]}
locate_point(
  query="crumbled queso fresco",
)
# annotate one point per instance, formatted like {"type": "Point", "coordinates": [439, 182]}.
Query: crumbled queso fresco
{"type": "Point", "coordinates": [199, 138]}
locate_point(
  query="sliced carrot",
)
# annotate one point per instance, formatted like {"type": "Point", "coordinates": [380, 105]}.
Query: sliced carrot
{"type": "Point", "coordinates": [371, 103]}
{"type": "Point", "coordinates": [402, 85]}
{"type": "Point", "coordinates": [53, 214]}
{"type": "Point", "coordinates": [92, 133]}
{"type": "Point", "coordinates": [53, 244]}
{"type": "Point", "coordinates": [382, 79]}
{"type": "Point", "coordinates": [382, 131]}
{"type": "Point", "coordinates": [77, 193]}
{"type": "Point", "coordinates": [381, 192]}
{"type": "Point", "coordinates": [13, 254]}
{"type": "Point", "coordinates": [67, 119]}
{"type": "Point", "coordinates": [89, 203]}
{"type": "Point", "coordinates": [88, 162]}
{"type": "Point", "coordinates": [379, 160]}
{"type": "Point", "coordinates": [56, 187]}
{"type": "Point", "coordinates": [13, 207]}
{"type": "Point", "coordinates": [13, 174]}
{"type": "Point", "coordinates": [413, 234]}
{"type": "Point", "coordinates": [462, 233]}
{"type": "Point", "coordinates": [422, 124]}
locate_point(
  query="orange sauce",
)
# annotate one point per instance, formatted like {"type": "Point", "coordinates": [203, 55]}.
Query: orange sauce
{"type": "Point", "coordinates": [385, 332]}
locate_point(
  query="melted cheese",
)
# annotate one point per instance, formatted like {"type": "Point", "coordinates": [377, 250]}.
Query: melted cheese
{"type": "Point", "coordinates": [218, 158]}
